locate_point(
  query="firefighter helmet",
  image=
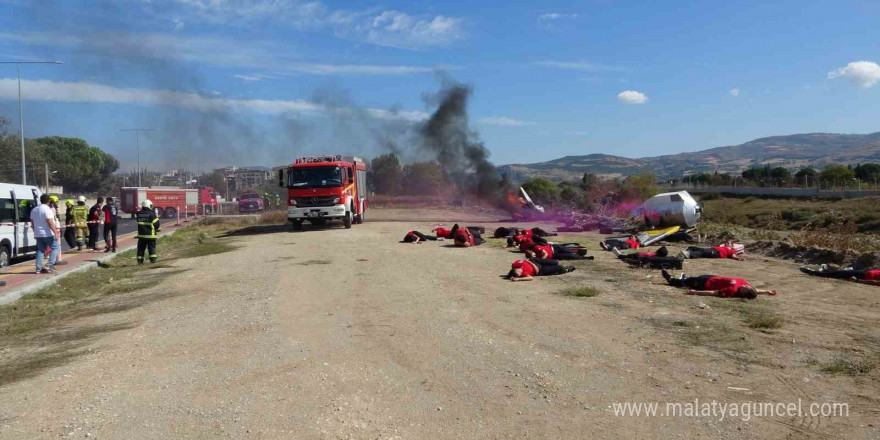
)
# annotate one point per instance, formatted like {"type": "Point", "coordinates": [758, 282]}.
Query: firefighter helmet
{"type": "Point", "coordinates": [68, 202]}
{"type": "Point", "coordinates": [147, 204]}
{"type": "Point", "coordinates": [81, 199]}
{"type": "Point", "coordinates": [53, 198]}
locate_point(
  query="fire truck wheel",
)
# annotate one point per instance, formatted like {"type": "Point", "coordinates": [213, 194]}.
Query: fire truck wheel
{"type": "Point", "coordinates": [160, 213]}
{"type": "Point", "coordinates": [347, 220]}
{"type": "Point", "coordinates": [297, 225]}
{"type": "Point", "coordinates": [170, 212]}
{"type": "Point", "coordinates": [359, 220]}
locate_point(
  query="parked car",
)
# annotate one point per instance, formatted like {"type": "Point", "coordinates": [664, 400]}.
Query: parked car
{"type": "Point", "coordinates": [250, 202]}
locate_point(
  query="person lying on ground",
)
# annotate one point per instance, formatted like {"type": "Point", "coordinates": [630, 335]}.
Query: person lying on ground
{"type": "Point", "coordinates": [635, 256]}
{"type": "Point", "coordinates": [509, 233]}
{"type": "Point", "coordinates": [620, 243]}
{"type": "Point", "coordinates": [526, 270]}
{"type": "Point", "coordinates": [467, 237]}
{"type": "Point", "coordinates": [443, 232]}
{"type": "Point", "coordinates": [724, 251]}
{"type": "Point", "coordinates": [417, 237]}
{"type": "Point", "coordinates": [558, 252]}
{"type": "Point", "coordinates": [863, 276]}
{"type": "Point", "coordinates": [714, 285]}
{"type": "Point", "coordinates": [519, 240]}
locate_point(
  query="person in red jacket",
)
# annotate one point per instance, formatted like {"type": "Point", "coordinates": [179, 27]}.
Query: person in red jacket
{"type": "Point", "coordinates": [558, 252]}
{"type": "Point", "coordinates": [526, 270]}
{"type": "Point", "coordinates": [416, 237]}
{"type": "Point", "coordinates": [723, 251]}
{"type": "Point", "coordinates": [111, 214]}
{"type": "Point", "coordinates": [630, 242]}
{"type": "Point", "coordinates": [635, 256]}
{"type": "Point", "coordinates": [862, 276]}
{"type": "Point", "coordinates": [714, 285]}
{"type": "Point", "coordinates": [466, 237]}
{"type": "Point", "coordinates": [442, 232]}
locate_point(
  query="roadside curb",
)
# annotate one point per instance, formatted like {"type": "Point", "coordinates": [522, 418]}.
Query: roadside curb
{"type": "Point", "coordinates": [14, 295]}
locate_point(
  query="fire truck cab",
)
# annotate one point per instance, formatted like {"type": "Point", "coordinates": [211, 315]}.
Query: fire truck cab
{"type": "Point", "coordinates": [322, 188]}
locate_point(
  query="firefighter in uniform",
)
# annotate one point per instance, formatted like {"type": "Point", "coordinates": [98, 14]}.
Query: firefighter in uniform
{"type": "Point", "coordinates": [80, 214]}
{"type": "Point", "coordinates": [148, 227]}
{"type": "Point", "coordinates": [69, 225]}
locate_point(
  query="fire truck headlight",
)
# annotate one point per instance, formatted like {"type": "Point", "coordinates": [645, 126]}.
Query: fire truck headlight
{"type": "Point", "coordinates": [336, 200]}
{"type": "Point", "coordinates": [291, 202]}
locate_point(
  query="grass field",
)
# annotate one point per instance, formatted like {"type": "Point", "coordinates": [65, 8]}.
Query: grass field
{"type": "Point", "coordinates": [860, 214]}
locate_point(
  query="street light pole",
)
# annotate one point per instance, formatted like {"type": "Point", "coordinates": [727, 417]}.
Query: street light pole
{"type": "Point", "coordinates": [20, 118]}
{"type": "Point", "coordinates": [138, 145]}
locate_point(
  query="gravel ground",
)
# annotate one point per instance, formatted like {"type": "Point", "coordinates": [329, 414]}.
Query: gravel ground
{"type": "Point", "coordinates": [337, 334]}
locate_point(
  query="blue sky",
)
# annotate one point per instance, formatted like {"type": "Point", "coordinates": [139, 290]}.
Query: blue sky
{"type": "Point", "coordinates": [258, 82]}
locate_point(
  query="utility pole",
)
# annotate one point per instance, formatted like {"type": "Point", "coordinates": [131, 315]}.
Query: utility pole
{"type": "Point", "coordinates": [46, 165]}
{"type": "Point", "coordinates": [138, 145]}
{"type": "Point", "coordinates": [20, 117]}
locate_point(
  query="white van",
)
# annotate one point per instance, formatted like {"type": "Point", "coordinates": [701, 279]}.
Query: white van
{"type": "Point", "coordinates": [16, 235]}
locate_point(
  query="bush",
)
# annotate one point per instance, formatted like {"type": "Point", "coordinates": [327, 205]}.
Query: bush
{"type": "Point", "coordinates": [797, 215]}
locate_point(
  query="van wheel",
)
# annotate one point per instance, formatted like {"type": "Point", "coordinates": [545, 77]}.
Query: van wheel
{"type": "Point", "coordinates": [4, 256]}
{"type": "Point", "coordinates": [347, 220]}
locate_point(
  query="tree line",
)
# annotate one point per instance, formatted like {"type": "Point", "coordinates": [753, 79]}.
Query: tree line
{"type": "Point", "coordinates": [831, 175]}
{"type": "Point", "coordinates": [73, 163]}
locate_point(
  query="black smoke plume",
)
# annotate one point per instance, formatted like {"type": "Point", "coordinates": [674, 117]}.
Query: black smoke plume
{"type": "Point", "coordinates": [457, 148]}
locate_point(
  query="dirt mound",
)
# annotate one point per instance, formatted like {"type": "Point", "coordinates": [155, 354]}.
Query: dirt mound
{"type": "Point", "coordinates": [812, 255]}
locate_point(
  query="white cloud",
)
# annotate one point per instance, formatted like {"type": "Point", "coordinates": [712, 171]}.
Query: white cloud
{"type": "Point", "coordinates": [577, 65]}
{"type": "Point", "coordinates": [734, 92]}
{"type": "Point", "coordinates": [556, 16]}
{"type": "Point", "coordinates": [503, 121]}
{"type": "Point", "coordinates": [218, 51]}
{"type": "Point", "coordinates": [253, 77]}
{"type": "Point", "coordinates": [381, 27]}
{"type": "Point", "coordinates": [632, 97]}
{"type": "Point", "coordinates": [45, 90]}
{"type": "Point", "coordinates": [860, 73]}
{"type": "Point", "coordinates": [365, 69]}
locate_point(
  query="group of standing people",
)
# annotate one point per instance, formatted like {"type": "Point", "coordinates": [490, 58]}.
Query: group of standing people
{"type": "Point", "coordinates": [84, 224]}
{"type": "Point", "coordinates": [81, 228]}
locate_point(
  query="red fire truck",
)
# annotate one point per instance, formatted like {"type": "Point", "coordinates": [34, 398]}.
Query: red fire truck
{"type": "Point", "coordinates": [169, 201]}
{"type": "Point", "coordinates": [321, 188]}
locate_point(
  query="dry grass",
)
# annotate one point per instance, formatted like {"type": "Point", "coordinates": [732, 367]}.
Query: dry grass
{"type": "Point", "coordinates": [793, 214]}
{"type": "Point", "coordinates": [46, 328]}
{"type": "Point", "coordinates": [846, 366]}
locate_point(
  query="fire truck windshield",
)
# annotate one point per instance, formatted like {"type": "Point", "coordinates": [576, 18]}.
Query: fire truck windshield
{"type": "Point", "coordinates": [315, 177]}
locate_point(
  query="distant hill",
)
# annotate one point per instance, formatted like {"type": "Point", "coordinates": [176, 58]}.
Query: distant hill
{"type": "Point", "coordinates": [794, 152]}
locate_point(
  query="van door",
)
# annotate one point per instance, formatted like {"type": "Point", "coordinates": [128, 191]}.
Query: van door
{"type": "Point", "coordinates": [7, 224]}
{"type": "Point", "coordinates": [24, 235]}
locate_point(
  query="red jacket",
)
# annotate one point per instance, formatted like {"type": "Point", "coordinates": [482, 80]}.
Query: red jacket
{"type": "Point", "coordinates": [463, 235]}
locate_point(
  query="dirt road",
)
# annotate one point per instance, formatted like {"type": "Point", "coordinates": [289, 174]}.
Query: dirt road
{"type": "Point", "coordinates": [348, 334]}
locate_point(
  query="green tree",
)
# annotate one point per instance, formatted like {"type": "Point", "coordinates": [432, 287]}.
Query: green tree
{"type": "Point", "coordinates": [542, 191]}
{"type": "Point", "coordinates": [836, 174]}
{"type": "Point", "coordinates": [424, 178]}
{"type": "Point", "coordinates": [642, 186]}
{"type": "Point", "coordinates": [79, 167]}
{"type": "Point", "coordinates": [572, 194]}
{"type": "Point", "coordinates": [805, 176]}
{"type": "Point", "coordinates": [589, 181]}
{"type": "Point", "coordinates": [385, 174]}
{"type": "Point", "coordinates": [868, 172]}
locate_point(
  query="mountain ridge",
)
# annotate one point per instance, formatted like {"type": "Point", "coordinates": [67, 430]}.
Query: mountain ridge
{"type": "Point", "coordinates": [793, 151]}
